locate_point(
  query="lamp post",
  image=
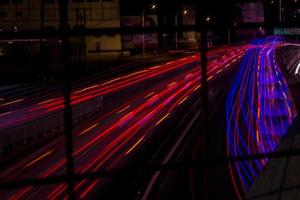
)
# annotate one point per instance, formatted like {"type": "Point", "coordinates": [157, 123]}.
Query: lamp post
{"type": "Point", "coordinates": [280, 11]}
{"type": "Point", "coordinates": [185, 12]}
{"type": "Point", "coordinates": [153, 7]}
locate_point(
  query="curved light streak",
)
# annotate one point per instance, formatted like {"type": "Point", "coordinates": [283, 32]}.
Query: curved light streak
{"type": "Point", "coordinates": [259, 110]}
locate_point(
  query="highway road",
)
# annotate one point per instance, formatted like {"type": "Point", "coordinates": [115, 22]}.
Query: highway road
{"type": "Point", "coordinates": [259, 111]}
{"type": "Point", "coordinates": [136, 108]}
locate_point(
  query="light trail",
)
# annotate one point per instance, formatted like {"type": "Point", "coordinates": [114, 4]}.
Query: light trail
{"type": "Point", "coordinates": [108, 141]}
{"type": "Point", "coordinates": [38, 159]}
{"type": "Point", "coordinates": [11, 102]}
{"type": "Point", "coordinates": [89, 129]}
{"type": "Point", "coordinates": [258, 112]}
{"type": "Point", "coordinates": [134, 146]}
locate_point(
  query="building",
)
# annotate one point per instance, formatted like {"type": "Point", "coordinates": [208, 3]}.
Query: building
{"type": "Point", "coordinates": [34, 15]}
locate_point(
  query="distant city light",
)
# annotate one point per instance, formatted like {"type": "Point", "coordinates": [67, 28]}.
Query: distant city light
{"type": "Point", "coordinates": [16, 28]}
{"type": "Point", "coordinates": [153, 6]}
{"type": "Point", "coordinates": [208, 18]}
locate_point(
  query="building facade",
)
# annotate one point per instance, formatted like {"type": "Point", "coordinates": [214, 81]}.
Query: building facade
{"type": "Point", "coordinates": [34, 15]}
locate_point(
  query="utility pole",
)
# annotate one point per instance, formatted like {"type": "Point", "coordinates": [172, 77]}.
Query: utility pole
{"type": "Point", "coordinates": [280, 11]}
{"type": "Point", "coordinates": [204, 118]}
{"type": "Point", "coordinates": [153, 8]}
{"type": "Point", "coordinates": [64, 32]}
{"type": "Point", "coordinates": [176, 31]}
{"type": "Point", "coordinates": [184, 12]}
{"type": "Point", "coordinates": [229, 36]}
{"type": "Point", "coordinates": [143, 35]}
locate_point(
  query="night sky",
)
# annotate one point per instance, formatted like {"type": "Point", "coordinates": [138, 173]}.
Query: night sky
{"type": "Point", "coordinates": [222, 11]}
{"type": "Point", "coordinates": [135, 6]}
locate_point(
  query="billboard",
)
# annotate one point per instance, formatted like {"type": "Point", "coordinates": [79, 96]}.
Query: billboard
{"type": "Point", "coordinates": [286, 31]}
{"type": "Point", "coordinates": [250, 12]}
{"type": "Point", "coordinates": [135, 41]}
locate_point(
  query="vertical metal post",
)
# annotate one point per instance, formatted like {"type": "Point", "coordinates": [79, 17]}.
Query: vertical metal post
{"type": "Point", "coordinates": [64, 29]}
{"type": "Point", "coordinates": [204, 108]}
{"type": "Point", "coordinates": [176, 31]}
{"type": "Point", "coordinates": [143, 37]}
{"type": "Point", "coordinates": [280, 11]}
{"type": "Point", "coordinates": [229, 37]}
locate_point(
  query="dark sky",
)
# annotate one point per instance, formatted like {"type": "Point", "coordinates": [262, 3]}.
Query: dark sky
{"type": "Point", "coordinates": [221, 10]}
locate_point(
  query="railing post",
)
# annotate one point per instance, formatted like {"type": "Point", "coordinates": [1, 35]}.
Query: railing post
{"type": "Point", "coordinates": [202, 30]}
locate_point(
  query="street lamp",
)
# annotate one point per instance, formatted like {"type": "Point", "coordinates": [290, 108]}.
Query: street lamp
{"type": "Point", "coordinates": [208, 19]}
{"type": "Point", "coordinates": [152, 7]}
{"type": "Point", "coordinates": [184, 12]}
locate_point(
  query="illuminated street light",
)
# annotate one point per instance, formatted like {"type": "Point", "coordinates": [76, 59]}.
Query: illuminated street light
{"type": "Point", "coordinates": [152, 7]}
{"type": "Point", "coordinates": [184, 12]}
{"type": "Point", "coordinates": [208, 19]}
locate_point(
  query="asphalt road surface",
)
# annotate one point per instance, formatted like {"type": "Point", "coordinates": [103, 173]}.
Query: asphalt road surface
{"type": "Point", "coordinates": [139, 108]}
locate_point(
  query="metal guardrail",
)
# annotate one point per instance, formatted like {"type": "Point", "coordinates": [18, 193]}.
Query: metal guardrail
{"type": "Point", "coordinates": [49, 125]}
